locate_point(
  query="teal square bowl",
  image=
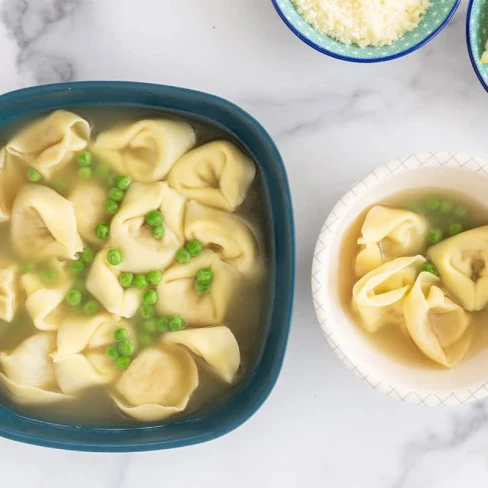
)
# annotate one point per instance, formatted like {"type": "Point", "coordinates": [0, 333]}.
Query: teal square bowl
{"type": "Point", "coordinates": [476, 37]}
{"type": "Point", "coordinates": [254, 388]}
{"type": "Point", "coordinates": [436, 18]}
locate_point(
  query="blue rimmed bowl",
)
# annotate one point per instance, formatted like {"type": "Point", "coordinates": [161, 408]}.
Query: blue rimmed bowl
{"type": "Point", "coordinates": [251, 392]}
{"type": "Point", "coordinates": [436, 18]}
{"type": "Point", "coordinates": [476, 37]}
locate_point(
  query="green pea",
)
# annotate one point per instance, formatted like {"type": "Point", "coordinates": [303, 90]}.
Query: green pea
{"type": "Point", "coordinates": [84, 158]}
{"type": "Point", "coordinates": [205, 276]}
{"type": "Point", "coordinates": [202, 288]}
{"type": "Point", "coordinates": [429, 268]}
{"type": "Point", "coordinates": [154, 277]}
{"type": "Point", "coordinates": [150, 325]}
{"type": "Point", "coordinates": [102, 230]}
{"type": "Point", "coordinates": [102, 171]}
{"type": "Point", "coordinates": [85, 172]}
{"type": "Point", "coordinates": [446, 207]}
{"type": "Point", "coordinates": [116, 194]}
{"type": "Point", "coordinates": [150, 297]}
{"type": "Point", "coordinates": [111, 207]}
{"type": "Point", "coordinates": [33, 175]}
{"type": "Point", "coordinates": [176, 322]}
{"type": "Point", "coordinates": [88, 255]}
{"type": "Point", "coordinates": [49, 276]}
{"type": "Point", "coordinates": [91, 307]}
{"type": "Point", "coordinates": [145, 338]}
{"type": "Point", "coordinates": [77, 267]}
{"type": "Point", "coordinates": [183, 256]}
{"type": "Point", "coordinates": [162, 324]}
{"type": "Point", "coordinates": [112, 352]}
{"type": "Point", "coordinates": [140, 281]}
{"type": "Point", "coordinates": [146, 311]}
{"type": "Point", "coordinates": [122, 362]}
{"type": "Point", "coordinates": [460, 212]}
{"type": "Point", "coordinates": [154, 218]}
{"type": "Point", "coordinates": [28, 268]}
{"type": "Point", "coordinates": [73, 297]}
{"type": "Point", "coordinates": [158, 232]}
{"type": "Point", "coordinates": [194, 247]}
{"type": "Point", "coordinates": [115, 257]}
{"type": "Point", "coordinates": [126, 347]}
{"type": "Point", "coordinates": [432, 203]}
{"type": "Point", "coordinates": [435, 235]}
{"type": "Point", "coordinates": [121, 334]}
{"type": "Point", "coordinates": [123, 182]}
{"type": "Point", "coordinates": [126, 279]}
{"type": "Point", "coordinates": [455, 229]}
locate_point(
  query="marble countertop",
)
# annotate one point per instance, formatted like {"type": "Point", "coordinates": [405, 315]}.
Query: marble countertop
{"type": "Point", "coordinates": [333, 122]}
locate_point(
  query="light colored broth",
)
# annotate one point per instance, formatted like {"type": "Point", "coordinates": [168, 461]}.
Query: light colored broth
{"type": "Point", "coordinates": [246, 318]}
{"type": "Point", "coordinates": [391, 340]}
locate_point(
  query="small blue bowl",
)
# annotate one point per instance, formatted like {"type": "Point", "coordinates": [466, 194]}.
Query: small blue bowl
{"type": "Point", "coordinates": [256, 386]}
{"type": "Point", "coordinates": [476, 37]}
{"type": "Point", "coordinates": [436, 18]}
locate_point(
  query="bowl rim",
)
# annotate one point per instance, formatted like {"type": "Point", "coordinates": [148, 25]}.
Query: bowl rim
{"type": "Point", "coordinates": [319, 276]}
{"type": "Point", "coordinates": [239, 408]}
{"type": "Point", "coordinates": [353, 59]}
{"type": "Point", "coordinates": [484, 84]}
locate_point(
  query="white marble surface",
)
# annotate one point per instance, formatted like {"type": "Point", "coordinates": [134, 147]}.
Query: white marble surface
{"type": "Point", "coordinates": [332, 122]}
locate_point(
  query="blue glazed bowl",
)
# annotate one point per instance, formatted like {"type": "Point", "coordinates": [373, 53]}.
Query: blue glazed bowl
{"type": "Point", "coordinates": [436, 18]}
{"type": "Point", "coordinates": [476, 37]}
{"type": "Point", "coordinates": [256, 386]}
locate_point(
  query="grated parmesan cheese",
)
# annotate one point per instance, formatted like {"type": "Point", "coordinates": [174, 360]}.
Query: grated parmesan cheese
{"type": "Point", "coordinates": [363, 22]}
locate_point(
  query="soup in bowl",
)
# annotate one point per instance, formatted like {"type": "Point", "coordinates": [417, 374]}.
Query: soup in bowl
{"type": "Point", "coordinates": [138, 266]}
{"type": "Point", "coordinates": [399, 279]}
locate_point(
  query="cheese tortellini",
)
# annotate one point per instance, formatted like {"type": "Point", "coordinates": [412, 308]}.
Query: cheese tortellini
{"type": "Point", "coordinates": [145, 150]}
{"type": "Point", "coordinates": [217, 174]}
{"type": "Point", "coordinates": [12, 177]}
{"type": "Point", "coordinates": [50, 143]}
{"type": "Point", "coordinates": [388, 233]}
{"type": "Point", "coordinates": [9, 290]}
{"type": "Point", "coordinates": [378, 295]}
{"type": "Point", "coordinates": [44, 225]}
{"type": "Point", "coordinates": [142, 252]}
{"type": "Point", "coordinates": [462, 262]}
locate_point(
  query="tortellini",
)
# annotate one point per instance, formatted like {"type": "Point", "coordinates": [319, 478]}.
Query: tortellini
{"type": "Point", "coordinates": [145, 150]}
{"type": "Point", "coordinates": [44, 225]}
{"type": "Point", "coordinates": [217, 174]}
{"type": "Point", "coordinates": [224, 233]}
{"type": "Point", "coordinates": [438, 326]}
{"type": "Point", "coordinates": [462, 262]}
{"type": "Point", "coordinates": [178, 295]}
{"type": "Point", "coordinates": [217, 346]}
{"type": "Point", "coordinates": [388, 233]}
{"type": "Point", "coordinates": [44, 302]}
{"type": "Point", "coordinates": [88, 199]}
{"type": "Point", "coordinates": [139, 396]}
{"type": "Point", "coordinates": [9, 290]}
{"type": "Point", "coordinates": [142, 252]}
{"type": "Point", "coordinates": [80, 361]}
{"type": "Point", "coordinates": [28, 371]}
{"type": "Point", "coordinates": [50, 143]}
{"type": "Point", "coordinates": [12, 177]}
{"type": "Point", "coordinates": [378, 296]}
{"type": "Point", "coordinates": [103, 283]}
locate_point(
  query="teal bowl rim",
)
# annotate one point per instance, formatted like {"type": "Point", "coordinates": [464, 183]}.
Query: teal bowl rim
{"type": "Point", "coordinates": [470, 49]}
{"type": "Point", "coordinates": [258, 385]}
{"type": "Point", "coordinates": [351, 59]}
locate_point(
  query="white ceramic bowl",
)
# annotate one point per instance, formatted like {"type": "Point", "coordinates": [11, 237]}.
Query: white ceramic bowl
{"type": "Point", "coordinates": [433, 387]}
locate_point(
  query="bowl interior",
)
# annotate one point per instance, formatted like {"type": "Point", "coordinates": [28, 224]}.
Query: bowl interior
{"type": "Point", "coordinates": [477, 35]}
{"type": "Point", "coordinates": [257, 384]}
{"type": "Point", "coordinates": [435, 18]}
{"type": "Point", "coordinates": [381, 370]}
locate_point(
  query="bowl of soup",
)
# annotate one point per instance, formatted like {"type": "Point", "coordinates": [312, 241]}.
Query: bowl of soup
{"type": "Point", "coordinates": [399, 279]}
{"type": "Point", "coordinates": [144, 231]}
